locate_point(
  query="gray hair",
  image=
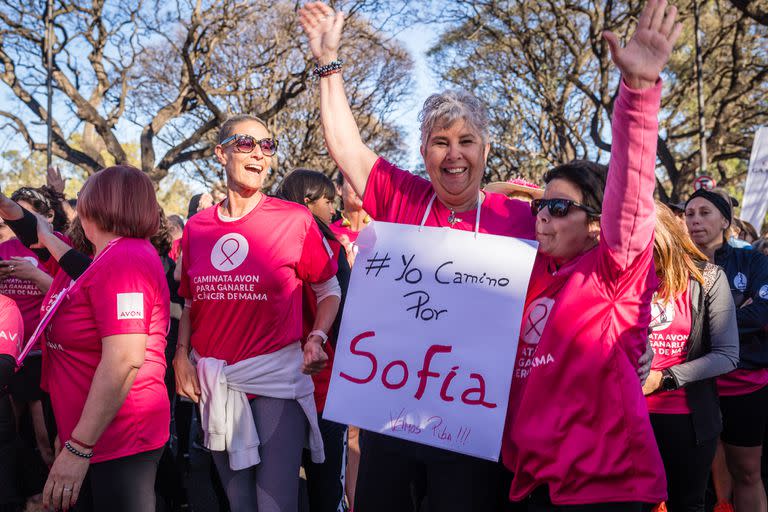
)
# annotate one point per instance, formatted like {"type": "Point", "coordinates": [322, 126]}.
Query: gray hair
{"type": "Point", "coordinates": [227, 129]}
{"type": "Point", "coordinates": [443, 109]}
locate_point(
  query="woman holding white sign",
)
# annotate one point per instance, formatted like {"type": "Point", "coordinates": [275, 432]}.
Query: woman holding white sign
{"type": "Point", "coordinates": [578, 434]}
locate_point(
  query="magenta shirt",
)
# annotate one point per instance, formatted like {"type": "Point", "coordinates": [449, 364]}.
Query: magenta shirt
{"type": "Point", "coordinates": [244, 278]}
{"type": "Point", "coordinates": [395, 195]}
{"type": "Point", "coordinates": [124, 291]}
{"type": "Point", "coordinates": [577, 419]}
{"type": "Point", "coordinates": [670, 332]}
{"type": "Point", "coordinates": [11, 328]}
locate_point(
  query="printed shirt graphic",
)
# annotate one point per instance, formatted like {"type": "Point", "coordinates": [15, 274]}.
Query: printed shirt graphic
{"type": "Point", "coordinates": [27, 295]}
{"type": "Point", "coordinates": [11, 327]}
{"type": "Point", "coordinates": [123, 292]}
{"type": "Point", "coordinates": [245, 278]}
{"type": "Point", "coordinates": [670, 329]}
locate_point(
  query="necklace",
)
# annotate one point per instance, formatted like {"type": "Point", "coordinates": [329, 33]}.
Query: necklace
{"type": "Point", "coordinates": [452, 218]}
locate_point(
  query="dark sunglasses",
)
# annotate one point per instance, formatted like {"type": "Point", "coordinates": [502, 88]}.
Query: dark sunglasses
{"type": "Point", "coordinates": [246, 144]}
{"type": "Point", "coordinates": [560, 207]}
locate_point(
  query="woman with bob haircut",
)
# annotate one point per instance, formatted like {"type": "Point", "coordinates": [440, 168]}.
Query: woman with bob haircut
{"type": "Point", "coordinates": [455, 146]}
{"type": "Point", "coordinates": [695, 338]}
{"type": "Point", "coordinates": [744, 391]}
{"type": "Point", "coordinates": [103, 350]}
{"type": "Point", "coordinates": [241, 353]}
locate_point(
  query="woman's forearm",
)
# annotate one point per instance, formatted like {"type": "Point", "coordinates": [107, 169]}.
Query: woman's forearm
{"type": "Point", "coordinates": [9, 210]}
{"type": "Point", "coordinates": [342, 135]}
{"type": "Point", "coordinates": [115, 374]}
{"type": "Point", "coordinates": [326, 313]}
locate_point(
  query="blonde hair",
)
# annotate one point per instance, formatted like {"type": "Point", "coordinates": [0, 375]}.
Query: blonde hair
{"type": "Point", "coordinates": [674, 255]}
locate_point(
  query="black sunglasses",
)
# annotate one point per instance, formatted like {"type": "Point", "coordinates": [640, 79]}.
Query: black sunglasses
{"type": "Point", "coordinates": [560, 207]}
{"type": "Point", "coordinates": [246, 144]}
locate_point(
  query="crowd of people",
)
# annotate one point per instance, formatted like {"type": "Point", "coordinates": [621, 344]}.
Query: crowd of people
{"type": "Point", "coordinates": [128, 339]}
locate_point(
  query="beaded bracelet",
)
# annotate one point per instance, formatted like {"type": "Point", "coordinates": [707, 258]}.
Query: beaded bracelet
{"type": "Point", "coordinates": [329, 69]}
{"type": "Point", "coordinates": [77, 452]}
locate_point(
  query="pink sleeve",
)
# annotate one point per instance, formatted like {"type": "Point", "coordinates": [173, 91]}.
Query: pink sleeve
{"type": "Point", "coordinates": [316, 263]}
{"type": "Point", "coordinates": [391, 192]}
{"type": "Point", "coordinates": [184, 291]}
{"type": "Point", "coordinates": [11, 328]}
{"type": "Point", "coordinates": [629, 214]}
{"type": "Point", "coordinates": [122, 302]}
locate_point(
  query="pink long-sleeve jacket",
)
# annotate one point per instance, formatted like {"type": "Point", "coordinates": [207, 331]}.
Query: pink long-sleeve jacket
{"type": "Point", "coordinates": [577, 420]}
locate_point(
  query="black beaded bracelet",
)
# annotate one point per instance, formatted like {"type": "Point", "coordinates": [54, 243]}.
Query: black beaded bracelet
{"type": "Point", "coordinates": [75, 451]}
{"type": "Point", "coordinates": [332, 67]}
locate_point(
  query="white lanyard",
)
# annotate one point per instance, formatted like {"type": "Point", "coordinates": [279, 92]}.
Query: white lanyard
{"type": "Point", "coordinates": [477, 215]}
{"type": "Point", "coordinates": [45, 320]}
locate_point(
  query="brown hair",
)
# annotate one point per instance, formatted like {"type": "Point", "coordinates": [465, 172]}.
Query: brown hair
{"type": "Point", "coordinates": [674, 255]}
{"type": "Point", "coordinates": [120, 200]}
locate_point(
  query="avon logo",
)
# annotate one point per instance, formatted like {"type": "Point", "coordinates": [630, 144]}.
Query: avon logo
{"type": "Point", "coordinates": [130, 306]}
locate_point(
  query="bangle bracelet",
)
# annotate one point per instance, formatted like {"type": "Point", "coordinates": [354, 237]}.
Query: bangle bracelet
{"type": "Point", "coordinates": [84, 445]}
{"type": "Point", "coordinates": [329, 69]}
{"type": "Point", "coordinates": [76, 452]}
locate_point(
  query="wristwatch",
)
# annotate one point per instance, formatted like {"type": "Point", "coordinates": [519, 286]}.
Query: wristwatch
{"type": "Point", "coordinates": [668, 382]}
{"type": "Point", "coordinates": [320, 334]}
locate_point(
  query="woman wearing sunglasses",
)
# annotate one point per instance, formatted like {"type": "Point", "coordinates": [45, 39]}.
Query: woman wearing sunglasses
{"type": "Point", "coordinates": [244, 266]}
{"type": "Point", "coordinates": [578, 435]}
{"type": "Point", "coordinates": [454, 145]}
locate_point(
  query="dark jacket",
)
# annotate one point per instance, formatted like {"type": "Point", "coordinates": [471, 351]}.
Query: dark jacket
{"type": "Point", "coordinates": [747, 272]}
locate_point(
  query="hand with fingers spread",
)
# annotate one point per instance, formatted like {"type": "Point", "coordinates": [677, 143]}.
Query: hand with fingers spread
{"type": "Point", "coordinates": [648, 51]}
{"type": "Point", "coordinates": [54, 179]}
{"type": "Point", "coordinates": [323, 28]}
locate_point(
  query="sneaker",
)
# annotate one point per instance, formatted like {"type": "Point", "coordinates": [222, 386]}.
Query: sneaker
{"type": "Point", "coordinates": [723, 506]}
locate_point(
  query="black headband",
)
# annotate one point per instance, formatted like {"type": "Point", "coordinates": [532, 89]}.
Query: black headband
{"type": "Point", "coordinates": [721, 203]}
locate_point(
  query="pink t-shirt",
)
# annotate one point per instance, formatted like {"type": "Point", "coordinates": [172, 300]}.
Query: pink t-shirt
{"type": "Point", "coordinates": [11, 327]}
{"type": "Point", "coordinates": [124, 291]}
{"type": "Point", "coordinates": [245, 277]}
{"type": "Point", "coordinates": [742, 382]}
{"type": "Point", "coordinates": [394, 195]}
{"type": "Point", "coordinates": [670, 329]}
{"type": "Point", "coordinates": [26, 293]}
{"type": "Point", "coordinates": [577, 419]}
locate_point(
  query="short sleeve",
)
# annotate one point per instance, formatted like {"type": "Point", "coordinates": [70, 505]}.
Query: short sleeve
{"type": "Point", "coordinates": [122, 302]}
{"type": "Point", "coordinates": [317, 263]}
{"type": "Point", "coordinates": [391, 192]}
{"type": "Point", "coordinates": [11, 328]}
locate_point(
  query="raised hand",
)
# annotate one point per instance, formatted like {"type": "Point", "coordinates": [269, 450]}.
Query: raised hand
{"type": "Point", "coordinates": [54, 179]}
{"type": "Point", "coordinates": [323, 28]}
{"type": "Point", "coordinates": [648, 51]}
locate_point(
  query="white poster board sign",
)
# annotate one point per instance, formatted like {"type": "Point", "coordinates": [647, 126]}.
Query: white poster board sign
{"type": "Point", "coordinates": [429, 336]}
{"type": "Point", "coordinates": [755, 204]}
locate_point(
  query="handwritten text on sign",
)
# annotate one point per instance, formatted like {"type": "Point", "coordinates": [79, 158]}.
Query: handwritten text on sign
{"type": "Point", "coordinates": [429, 336]}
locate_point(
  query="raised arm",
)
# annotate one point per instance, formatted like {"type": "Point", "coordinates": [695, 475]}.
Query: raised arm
{"type": "Point", "coordinates": [628, 208]}
{"type": "Point", "coordinates": [323, 27]}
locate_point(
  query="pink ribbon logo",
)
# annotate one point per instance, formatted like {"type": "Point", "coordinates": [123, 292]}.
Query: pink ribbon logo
{"type": "Point", "coordinates": [228, 254]}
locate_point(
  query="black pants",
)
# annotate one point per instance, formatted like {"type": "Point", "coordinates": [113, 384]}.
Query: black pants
{"type": "Point", "coordinates": [686, 463]}
{"type": "Point", "coordinates": [540, 502]}
{"type": "Point", "coordinates": [9, 497]}
{"type": "Point", "coordinates": [126, 484]}
{"type": "Point", "coordinates": [389, 467]}
{"type": "Point", "coordinates": [325, 482]}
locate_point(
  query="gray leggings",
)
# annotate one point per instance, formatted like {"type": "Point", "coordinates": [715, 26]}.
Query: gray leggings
{"type": "Point", "coordinates": [273, 484]}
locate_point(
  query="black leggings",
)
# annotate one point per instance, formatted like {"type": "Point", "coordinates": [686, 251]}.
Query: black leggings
{"type": "Point", "coordinates": [9, 498]}
{"type": "Point", "coordinates": [391, 470]}
{"type": "Point", "coordinates": [686, 463]}
{"type": "Point", "coordinates": [126, 484]}
{"type": "Point", "coordinates": [540, 502]}
{"type": "Point", "coordinates": [325, 482]}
